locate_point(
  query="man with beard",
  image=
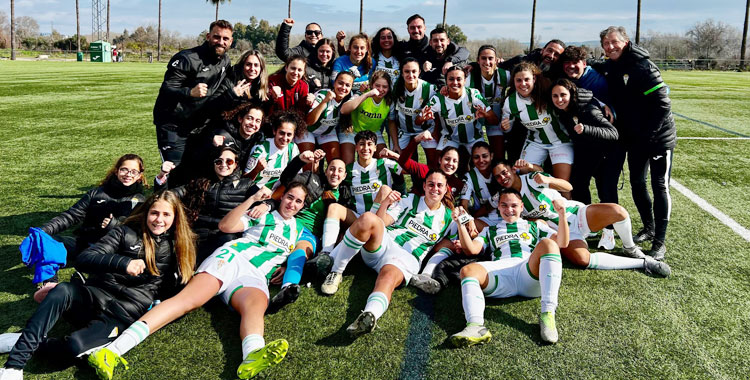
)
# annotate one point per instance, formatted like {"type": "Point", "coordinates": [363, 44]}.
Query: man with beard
{"type": "Point", "coordinates": [546, 58]}
{"type": "Point", "coordinates": [313, 33]}
{"type": "Point", "coordinates": [192, 76]}
{"type": "Point", "coordinates": [418, 43]}
{"type": "Point", "coordinates": [440, 55]}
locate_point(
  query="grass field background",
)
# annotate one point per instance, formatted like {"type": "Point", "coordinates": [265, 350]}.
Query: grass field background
{"type": "Point", "coordinates": [64, 124]}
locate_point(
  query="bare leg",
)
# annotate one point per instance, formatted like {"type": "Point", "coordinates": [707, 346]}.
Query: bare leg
{"type": "Point", "coordinates": [198, 291]}
{"type": "Point", "coordinates": [347, 152]}
{"type": "Point", "coordinates": [251, 303]}
{"type": "Point", "coordinates": [562, 171]}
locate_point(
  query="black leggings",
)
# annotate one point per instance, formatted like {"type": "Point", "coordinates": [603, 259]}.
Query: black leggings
{"type": "Point", "coordinates": [74, 302]}
{"type": "Point", "coordinates": [604, 167]}
{"type": "Point", "coordinates": [653, 214]}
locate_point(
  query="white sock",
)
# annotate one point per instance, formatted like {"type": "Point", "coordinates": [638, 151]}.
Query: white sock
{"type": "Point", "coordinates": [625, 231]}
{"type": "Point", "coordinates": [251, 343]}
{"type": "Point", "coordinates": [331, 227]}
{"type": "Point", "coordinates": [439, 256]}
{"type": "Point", "coordinates": [550, 275]}
{"type": "Point", "coordinates": [601, 260]}
{"type": "Point", "coordinates": [375, 207]}
{"type": "Point", "coordinates": [344, 252]}
{"type": "Point", "coordinates": [377, 304]}
{"type": "Point", "coordinates": [472, 300]}
{"type": "Point", "coordinates": [131, 337]}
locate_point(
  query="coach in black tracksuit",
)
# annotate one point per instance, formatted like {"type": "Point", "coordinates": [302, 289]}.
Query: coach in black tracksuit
{"type": "Point", "coordinates": [641, 99]}
{"type": "Point", "coordinates": [192, 76]}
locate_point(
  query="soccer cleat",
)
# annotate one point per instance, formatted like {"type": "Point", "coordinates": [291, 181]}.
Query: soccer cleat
{"type": "Point", "coordinates": [270, 355]}
{"type": "Point", "coordinates": [608, 239]}
{"type": "Point", "coordinates": [425, 283]}
{"type": "Point", "coordinates": [331, 284]}
{"type": "Point", "coordinates": [548, 328]}
{"type": "Point", "coordinates": [658, 250]}
{"type": "Point", "coordinates": [364, 324]}
{"type": "Point", "coordinates": [472, 334]}
{"type": "Point", "coordinates": [11, 374]}
{"type": "Point", "coordinates": [634, 252]}
{"type": "Point", "coordinates": [7, 341]}
{"type": "Point", "coordinates": [104, 362]}
{"type": "Point", "coordinates": [285, 296]}
{"type": "Point", "coordinates": [656, 268]}
{"type": "Point", "coordinates": [323, 264]}
{"type": "Point", "coordinates": [646, 233]}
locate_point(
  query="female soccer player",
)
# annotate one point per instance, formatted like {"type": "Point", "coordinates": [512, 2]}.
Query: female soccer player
{"type": "Point", "coordinates": [269, 158]}
{"type": "Point", "coordinates": [128, 268]}
{"type": "Point", "coordinates": [246, 81]}
{"type": "Point", "coordinates": [359, 61]}
{"type": "Point", "coordinates": [237, 272]}
{"type": "Point", "coordinates": [475, 196]}
{"type": "Point", "coordinates": [288, 90]}
{"type": "Point", "coordinates": [320, 65]}
{"type": "Point", "coordinates": [369, 112]}
{"type": "Point", "coordinates": [385, 46]}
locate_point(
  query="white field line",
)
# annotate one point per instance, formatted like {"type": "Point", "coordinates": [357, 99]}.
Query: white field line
{"type": "Point", "coordinates": [713, 138]}
{"type": "Point", "coordinates": [724, 218]}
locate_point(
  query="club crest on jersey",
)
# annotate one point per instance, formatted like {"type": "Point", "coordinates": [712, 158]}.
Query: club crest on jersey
{"type": "Point", "coordinates": [280, 241]}
{"type": "Point", "coordinates": [220, 264]}
{"type": "Point", "coordinates": [421, 230]}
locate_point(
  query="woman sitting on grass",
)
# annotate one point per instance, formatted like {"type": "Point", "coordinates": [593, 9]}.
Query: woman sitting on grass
{"type": "Point", "coordinates": [129, 268]}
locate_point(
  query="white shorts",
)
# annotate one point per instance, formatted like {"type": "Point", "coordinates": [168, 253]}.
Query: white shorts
{"type": "Point", "coordinates": [234, 271]}
{"type": "Point", "coordinates": [446, 142]}
{"type": "Point", "coordinates": [405, 138]}
{"type": "Point", "coordinates": [312, 138]}
{"type": "Point", "coordinates": [392, 254]}
{"type": "Point", "coordinates": [579, 225]}
{"type": "Point", "coordinates": [537, 153]}
{"type": "Point", "coordinates": [510, 277]}
{"type": "Point", "coordinates": [348, 138]}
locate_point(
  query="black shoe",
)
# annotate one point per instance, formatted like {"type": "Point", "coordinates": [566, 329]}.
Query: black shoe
{"type": "Point", "coordinates": [283, 297]}
{"type": "Point", "coordinates": [658, 250]}
{"type": "Point", "coordinates": [644, 234]}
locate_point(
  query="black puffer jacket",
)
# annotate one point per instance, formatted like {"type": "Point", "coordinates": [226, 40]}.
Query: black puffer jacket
{"type": "Point", "coordinates": [598, 132]}
{"type": "Point", "coordinates": [232, 138]}
{"type": "Point", "coordinates": [416, 49]}
{"type": "Point", "coordinates": [641, 99]}
{"type": "Point", "coordinates": [455, 54]}
{"type": "Point", "coordinates": [224, 99]}
{"type": "Point", "coordinates": [554, 72]}
{"type": "Point", "coordinates": [117, 293]}
{"type": "Point", "coordinates": [317, 76]}
{"type": "Point", "coordinates": [283, 51]}
{"type": "Point", "coordinates": [98, 203]}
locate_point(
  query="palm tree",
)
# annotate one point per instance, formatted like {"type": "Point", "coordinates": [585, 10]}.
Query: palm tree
{"type": "Point", "coordinates": [158, 36]}
{"type": "Point", "coordinates": [533, 22]}
{"type": "Point", "coordinates": [107, 20]}
{"type": "Point", "coordinates": [744, 37]}
{"type": "Point", "coordinates": [78, 29]}
{"type": "Point", "coordinates": [445, 7]}
{"type": "Point", "coordinates": [638, 25]}
{"type": "Point", "coordinates": [360, 15]}
{"type": "Point", "coordinates": [13, 30]}
{"type": "Point", "coordinates": [217, 2]}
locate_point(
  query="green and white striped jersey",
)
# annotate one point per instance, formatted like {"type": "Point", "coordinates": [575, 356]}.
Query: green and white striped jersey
{"type": "Point", "coordinates": [329, 118]}
{"type": "Point", "coordinates": [408, 110]}
{"type": "Point", "coordinates": [493, 89]}
{"type": "Point", "coordinates": [537, 201]}
{"type": "Point", "coordinates": [544, 128]}
{"type": "Point", "coordinates": [390, 66]}
{"type": "Point", "coordinates": [476, 189]}
{"type": "Point", "coordinates": [457, 116]}
{"type": "Point", "coordinates": [416, 228]}
{"type": "Point", "coordinates": [276, 161]}
{"type": "Point", "coordinates": [516, 239]}
{"type": "Point", "coordinates": [366, 181]}
{"type": "Point", "coordinates": [268, 240]}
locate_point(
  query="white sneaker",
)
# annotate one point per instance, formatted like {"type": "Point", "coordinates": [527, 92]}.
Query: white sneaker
{"type": "Point", "coordinates": [11, 374]}
{"type": "Point", "coordinates": [7, 341]}
{"type": "Point", "coordinates": [608, 239]}
{"type": "Point", "coordinates": [331, 284]}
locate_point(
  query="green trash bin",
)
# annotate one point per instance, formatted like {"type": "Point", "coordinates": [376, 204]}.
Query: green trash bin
{"type": "Point", "coordinates": [101, 51]}
{"type": "Point", "coordinates": [79, 56]}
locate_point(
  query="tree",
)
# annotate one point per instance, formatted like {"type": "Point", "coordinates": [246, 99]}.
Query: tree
{"type": "Point", "coordinates": [710, 39]}
{"type": "Point", "coordinates": [454, 33]}
{"type": "Point", "coordinates": [12, 30]}
{"type": "Point", "coordinates": [533, 23]}
{"type": "Point", "coordinates": [78, 30]}
{"type": "Point", "coordinates": [26, 27]}
{"type": "Point", "coordinates": [217, 2]}
{"type": "Point", "coordinates": [4, 27]}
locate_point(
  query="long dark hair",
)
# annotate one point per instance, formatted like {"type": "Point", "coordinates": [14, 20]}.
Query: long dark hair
{"type": "Point", "coordinates": [195, 190]}
{"type": "Point", "coordinates": [314, 56]}
{"type": "Point", "coordinates": [448, 196]}
{"type": "Point", "coordinates": [399, 88]}
{"type": "Point", "coordinates": [292, 58]}
{"type": "Point", "coordinates": [538, 93]}
{"type": "Point", "coordinates": [395, 50]}
{"type": "Point", "coordinates": [280, 117]}
{"type": "Point", "coordinates": [572, 89]}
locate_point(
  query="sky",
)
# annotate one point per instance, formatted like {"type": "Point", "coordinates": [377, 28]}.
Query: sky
{"type": "Point", "coordinates": [570, 21]}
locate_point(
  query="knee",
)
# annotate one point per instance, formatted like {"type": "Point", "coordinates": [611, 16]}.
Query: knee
{"type": "Point", "coordinates": [577, 258]}
{"type": "Point", "coordinates": [75, 346]}
{"type": "Point", "coordinates": [471, 270]}
{"type": "Point", "coordinates": [620, 213]}
{"type": "Point", "coordinates": [548, 245]}
{"type": "Point", "coordinates": [60, 293]}
{"type": "Point", "coordinates": [335, 210]}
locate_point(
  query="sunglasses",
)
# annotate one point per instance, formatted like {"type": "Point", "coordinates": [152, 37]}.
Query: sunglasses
{"type": "Point", "coordinates": [126, 171]}
{"type": "Point", "coordinates": [228, 161]}
{"type": "Point", "coordinates": [313, 32]}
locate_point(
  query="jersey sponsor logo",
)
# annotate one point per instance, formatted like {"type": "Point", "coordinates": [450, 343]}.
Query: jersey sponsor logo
{"type": "Point", "coordinates": [534, 214]}
{"type": "Point", "coordinates": [329, 122]}
{"type": "Point", "coordinates": [371, 115]}
{"type": "Point", "coordinates": [542, 207]}
{"type": "Point", "coordinates": [367, 188]}
{"type": "Point", "coordinates": [533, 124]}
{"type": "Point", "coordinates": [280, 241]}
{"type": "Point", "coordinates": [463, 119]}
{"type": "Point", "coordinates": [421, 230]}
{"type": "Point", "coordinates": [505, 238]}
{"type": "Point", "coordinates": [409, 111]}
{"type": "Point", "coordinates": [271, 173]}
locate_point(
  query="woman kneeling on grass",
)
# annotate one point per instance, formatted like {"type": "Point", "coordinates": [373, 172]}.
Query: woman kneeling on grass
{"type": "Point", "coordinates": [129, 268]}
{"type": "Point", "coordinates": [394, 241]}
{"type": "Point", "coordinates": [237, 272]}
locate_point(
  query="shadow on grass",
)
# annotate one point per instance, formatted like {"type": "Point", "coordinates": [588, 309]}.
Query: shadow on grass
{"type": "Point", "coordinates": [226, 323]}
{"type": "Point", "coordinates": [18, 225]}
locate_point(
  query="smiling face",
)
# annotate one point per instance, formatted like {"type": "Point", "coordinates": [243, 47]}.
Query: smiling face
{"type": "Point", "coordinates": [455, 80]}
{"type": "Point", "coordinates": [504, 175]}
{"type": "Point", "coordinates": [342, 86]}
{"type": "Point", "coordinates": [365, 149]}
{"type": "Point", "coordinates": [439, 42]}
{"type": "Point", "coordinates": [225, 164]}
{"type": "Point", "coordinates": [481, 158]}
{"type": "Point", "coordinates": [381, 85]}
{"type": "Point", "coordinates": [160, 217]}
{"type": "Point", "coordinates": [524, 82]}
{"type": "Point", "coordinates": [250, 123]}
{"type": "Point", "coordinates": [410, 72]}
{"type": "Point", "coordinates": [219, 39]}
{"type": "Point", "coordinates": [129, 172]}
{"type": "Point", "coordinates": [313, 33]}
{"type": "Point", "coordinates": [294, 71]}
{"type": "Point", "coordinates": [574, 69]}
{"type": "Point", "coordinates": [449, 162]}
{"type": "Point", "coordinates": [283, 135]}
{"type": "Point", "coordinates": [435, 186]}
{"type": "Point", "coordinates": [357, 50]}
{"type": "Point", "coordinates": [416, 29]}
{"type": "Point", "coordinates": [487, 61]}
{"type": "Point", "coordinates": [560, 97]}
{"type": "Point", "coordinates": [252, 67]}
{"type": "Point", "coordinates": [551, 53]}
{"type": "Point", "coordinates": [325, 53]}
{"type": "Point", "coordinates": [292, 201]}
{"type": "Point", "coordinates": [613, 45]}
{"type": "Point", "coordinates": [510, 207]}
{"type": "Point", "coordinates": [386, 40]}
{"type": "Point", "coordinates": [336, 173]}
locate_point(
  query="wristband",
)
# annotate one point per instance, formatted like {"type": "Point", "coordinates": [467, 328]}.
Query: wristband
{"type": "Point", "coordinates": [464, 219]}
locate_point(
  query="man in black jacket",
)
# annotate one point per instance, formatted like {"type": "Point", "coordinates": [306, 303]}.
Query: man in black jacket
{"type": "Point", "coordinates": [192, 76]}
{"type": "Point", "coordinates": [418, 43]}
{"type": "Point", "coordinates": [547, 58]}
{"type": "Point", "coordinates": [440, 56]}
{"type": "Point", "coordinates": [313, 33]}
{"type": "Point", "coordinates": [641, 99]}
